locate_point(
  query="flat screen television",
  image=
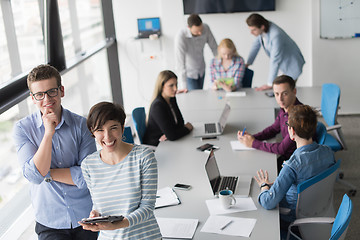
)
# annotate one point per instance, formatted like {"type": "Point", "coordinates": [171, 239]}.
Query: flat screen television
{"type": "Point", "coordinates": [227, 6]}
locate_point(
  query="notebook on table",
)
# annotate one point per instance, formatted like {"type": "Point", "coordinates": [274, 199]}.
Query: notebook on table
{"type": "Point", "coordinates": [239, 185]}
{"type": "Point", "coordinates": [212, 129]}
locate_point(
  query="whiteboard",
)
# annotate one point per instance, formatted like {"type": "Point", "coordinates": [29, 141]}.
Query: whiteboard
{"type": "Point", "coordinates": [339, 18]}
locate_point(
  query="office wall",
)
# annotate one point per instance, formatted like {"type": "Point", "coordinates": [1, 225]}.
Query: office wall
{"type": "Point", "coordinates": [336, 61]}
{"type": "Point", "coordinates": [141, 60]}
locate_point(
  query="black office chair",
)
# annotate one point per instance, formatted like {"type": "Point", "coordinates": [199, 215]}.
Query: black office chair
{"type": "Point", "coordinates": [248, 76]}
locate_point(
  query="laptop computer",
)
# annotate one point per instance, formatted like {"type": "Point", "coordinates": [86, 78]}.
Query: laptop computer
{"type": "Point", "coordinates": [239, 185]}
{"type": "Point", "coordinates": [212, 129]}
{"type": "Point", "coordinates": [148, 26]}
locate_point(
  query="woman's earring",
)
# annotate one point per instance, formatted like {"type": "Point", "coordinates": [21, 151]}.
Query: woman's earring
{"type": "Point", "coordinates": [123, 138]}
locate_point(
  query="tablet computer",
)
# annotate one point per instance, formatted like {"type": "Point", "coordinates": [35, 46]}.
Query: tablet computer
{"type": "Point", "coordinates": [102, 219]}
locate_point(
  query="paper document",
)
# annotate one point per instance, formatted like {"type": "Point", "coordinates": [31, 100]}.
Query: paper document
{"type": "Point", "coordinates": [166, 197]}
{"type": "Point", "coordinates": [242, 205]}
{"type": "Point", "coordinates": [229, 225]}
{"type": "Point", "coordinates": [238, 146]}
{"type": "Point", "coordinates": [177, 227]}
{"type": "Point", "coordinates": [235, 94]}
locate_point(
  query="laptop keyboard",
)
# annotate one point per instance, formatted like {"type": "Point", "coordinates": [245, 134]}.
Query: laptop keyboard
{"type": "Point", "coordinates": [210, 127]}
{"type": "Point", "coordinates": [228, 182]}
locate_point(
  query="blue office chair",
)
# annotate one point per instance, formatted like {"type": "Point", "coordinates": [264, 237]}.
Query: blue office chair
{"type": "Point", "coordinates": [330, 98]}
{"type": "Point", "coordinates": [340, 223]}
{"type": "Point", "coordinates": [315, 199]}
{"type": "Point", "coordinates": [139, 119]}
{"type": "Point", "coordinates": [322, 137]}
{"type": "Point", "coordinates": [248, 76]}
{"type": "Point", "coordinates": [127, 136]}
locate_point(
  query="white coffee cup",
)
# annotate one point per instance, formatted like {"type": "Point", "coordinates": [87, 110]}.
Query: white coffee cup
{"type": "Point", "coordinates": [227, 198]}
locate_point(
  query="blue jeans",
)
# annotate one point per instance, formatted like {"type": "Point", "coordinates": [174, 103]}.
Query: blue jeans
{"type": "Point", "coordinates": [195, 83]}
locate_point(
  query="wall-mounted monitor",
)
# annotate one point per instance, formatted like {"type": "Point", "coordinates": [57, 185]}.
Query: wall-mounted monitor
{"type": "Point", "coordinates": [148, 26]}
{"type": "Point", "coordinates": [227, 6]}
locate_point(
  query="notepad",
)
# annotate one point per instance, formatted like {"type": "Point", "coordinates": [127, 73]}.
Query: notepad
{"type": "Point", "coordinates": [238, 227]}
{"type": "Point", "coordinates": [177, 227]}
{"type": "Point", "coordinates": [238, 146]}
{"type": "Point", "coordinates": [166, 197]}
{"type": "Point", "coordinates": [235, 94]}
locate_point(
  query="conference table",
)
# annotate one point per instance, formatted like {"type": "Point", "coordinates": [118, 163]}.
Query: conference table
{"type": "Point", "coordinates": [180, 162]}
{"type": "Point", "coordinates": [210, 99]}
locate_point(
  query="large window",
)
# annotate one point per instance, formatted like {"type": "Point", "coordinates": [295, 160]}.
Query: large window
{"type": "Point", "coordinates": [86, 77]}
{"type": "Point", "coordinates": [82, 25]}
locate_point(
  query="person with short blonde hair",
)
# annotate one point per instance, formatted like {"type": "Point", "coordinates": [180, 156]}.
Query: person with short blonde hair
{"type": "Point", "coordinates": [228, 64]}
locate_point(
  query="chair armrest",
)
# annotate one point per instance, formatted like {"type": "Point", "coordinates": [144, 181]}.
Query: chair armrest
{"type": "Point", "coordinates": [301, 221]}
{"type": "Point", "coordinates": [337, 126]}
{"type": "Point", "coordinates": [284, 211]}
{"type": "Point", "coordinates": [320, 220]}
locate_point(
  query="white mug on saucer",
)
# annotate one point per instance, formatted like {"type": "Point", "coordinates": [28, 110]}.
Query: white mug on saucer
{"type": "Point", "coordinates": [227, 198]}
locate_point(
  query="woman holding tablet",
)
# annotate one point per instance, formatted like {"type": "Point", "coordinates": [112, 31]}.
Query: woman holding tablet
{"type": "Point", "coordinates": [228, 68]}
{"type": "Point", "coordinates": [121, 177]}
{"type": "Point", "coordinates": [165, 121]}
{"type": "Point", "coordinates": [308, 160]}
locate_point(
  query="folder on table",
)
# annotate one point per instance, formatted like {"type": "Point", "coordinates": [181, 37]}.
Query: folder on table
{"type": "Point", "coordinates": [166, 197]}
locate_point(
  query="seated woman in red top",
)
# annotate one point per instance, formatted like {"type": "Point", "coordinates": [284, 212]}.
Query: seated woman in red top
{"type": "Point", "coordinates": [165, 121]}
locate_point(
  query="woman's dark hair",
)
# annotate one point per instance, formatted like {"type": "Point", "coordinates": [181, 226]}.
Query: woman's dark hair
{"type": "Point", "coordinates": [102, 112]}
{"type": "Point", "coordinates": [303, 119]}
{"type": "Point", "coordinates": [256, 20]}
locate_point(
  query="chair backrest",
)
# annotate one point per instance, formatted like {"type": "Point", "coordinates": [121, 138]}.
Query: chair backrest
{"type": "Point", "coordinates": [315, 199]}
{"type": "Point", "coordinates": [324, 138]}
{"type": "Point", "coordinates": [139, 118]}
{"type": "Point", "coordinates": [320, 133]}
{"type": "Point", "coordinates": [330, 98]}
{"type": "Point", "coordinates": [127, 136]}
{"type": "Point", "coordinates": [248, 76]}
{"type": "Point", "coordinates": [342, 219]}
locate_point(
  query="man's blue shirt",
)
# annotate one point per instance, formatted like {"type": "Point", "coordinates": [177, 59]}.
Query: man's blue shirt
{"type": "Point", "coordinates": [57, 205]}
{"type": "Point", "coordinates": [306, 162]}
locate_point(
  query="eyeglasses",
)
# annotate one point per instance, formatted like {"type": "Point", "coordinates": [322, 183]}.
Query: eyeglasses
{"type": "Point", "coordinates": [53, 92]}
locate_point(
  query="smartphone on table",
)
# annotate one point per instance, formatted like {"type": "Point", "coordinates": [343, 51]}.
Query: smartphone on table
{"type": "Point", "coordinates": [182, 186]}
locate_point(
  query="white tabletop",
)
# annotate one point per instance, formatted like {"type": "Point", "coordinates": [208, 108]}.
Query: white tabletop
{"type": "Point", "coordinates": [180, 162]}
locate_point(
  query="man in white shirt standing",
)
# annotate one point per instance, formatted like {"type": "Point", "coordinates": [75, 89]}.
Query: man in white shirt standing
{"type": "Point", "coordinates": [189, 53]}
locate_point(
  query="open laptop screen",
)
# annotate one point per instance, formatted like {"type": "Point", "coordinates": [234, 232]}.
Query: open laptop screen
{"type": "Point", "coordinates": [148, 26]}
{"type": "Point", "coordinates": [213, 172]}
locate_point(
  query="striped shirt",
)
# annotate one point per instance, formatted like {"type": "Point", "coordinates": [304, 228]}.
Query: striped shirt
{"type": "Point", "coordinates": [236, 70]}
{"type": "Point", "coordinates": [127, 188]}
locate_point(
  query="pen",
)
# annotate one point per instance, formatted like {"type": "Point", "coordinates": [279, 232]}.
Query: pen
{"type": "Point", "coordinates": [226, 225]}
{"type": "Point", "coordinates": [243, 132]}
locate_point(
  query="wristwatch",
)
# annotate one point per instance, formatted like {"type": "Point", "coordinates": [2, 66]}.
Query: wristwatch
{"type": "Point", "coordinates": [48, 179]}
{"type": "Point", "coordinates": [264, 185]}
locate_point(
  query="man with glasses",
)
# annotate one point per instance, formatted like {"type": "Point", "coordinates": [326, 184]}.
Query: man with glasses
{"type": "Point", "coordinates": [51, 144]}
{"type": "Point", "coordinates": [285, 95]}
